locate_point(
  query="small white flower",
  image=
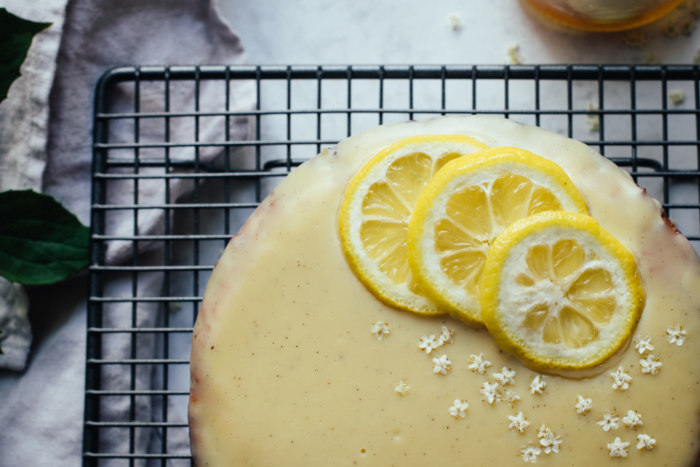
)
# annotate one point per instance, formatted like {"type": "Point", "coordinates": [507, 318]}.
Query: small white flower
{"type": "Point", "coordinates": [442, 365]}
{"type": "Point", "coordinates": [506, 376]}
{"type": "Point", "coordinates": [632, 420]}
{"type": "Point", "coordinates": [380, 329]}
{"type": "Point", "coordinates": [643, 344]}
{"type": "Point", "coordinates": [530, 453]}
{"type": "Point", "coordinates": [584, 405]}
{"type": "Point", "coordinates": [608, 420]}
{"type": "Point", "coordinates": [428, 343]}
{"type": "Point", "coordinates": [478, 363]}
{"type": "Point", "coordinates": [402, 388]}
{"type": "Point", "coordinates": [511, 397]}
{"type": "Point", "coordinates": [550, 443]}
{"type": "Point", "coordinates": [537, 385]}
{"type": "Point", "coordinates": [645, 441]}
{"type": "Point", "coordinates": [543, 430]}
{"type": "Point", "coordinates": [676, 334]}
{"type": "Point", "coordinates": [518, 422]}
{"type": "Point", "coordinates": [446, 336]}
{"type": "Point", "coordinates": [491, 392]}
{"type": "Point", "coordinates": [621, 379]}
{"type": "Point", "coordinates": [618, 448]}
{"type": "Point", "coordinates": [650, 365]}
{"type": "Point", "coordinates": [459, 409]}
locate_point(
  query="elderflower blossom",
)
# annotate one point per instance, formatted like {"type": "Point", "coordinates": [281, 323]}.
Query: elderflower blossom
{"type": "Point", "coordinates": [402, 388]}
{"type": "Point", "coordinates": [643, 344]}
{"type": "Point", "coordinates": [478, 363]}
{"type": "Point", "coordinates": [584, 405]}
{"type": "Point", "coordinates": [490, 392]}
{"type": "Point", "coordinates": [550, 442]}
{"type": "Point", "coordinates": [506, 376]}
{"type": "Point", "coordinates": [537, 385]}
{"type": "Point", "coordinates": [621, 379]}
{"type": "Point", "coordinates": [645, 441]}
{"type": "Point", "coordinates": [633, 419]}
{"type": "Point", "coordinates": [650, 365]}
{"type": "Point", "coordinates": [608, 420]}
{"type": "Point", "coordinates": [442, 365]}
{"type": "Point", "coordinates": [380, 329]}
{"type": "Point", "coordinates": [518, 422]}
{"type": "Point", "coordinates": [530, 453]}
{"type": "Point", "coordinates": [511, 397]}
{"type": "Point", "coordinates": [676, 334]}
{"type": "Point", "coordinates": [618, 448]}
{"type": "Point", "coordinates": [459, 408]}
{"type": "Point", "coordinates": [543, 430]}
{"type": "Point", "coordinates": [445, 336]}
{"type": "Point", "coordinates": [428, 343]}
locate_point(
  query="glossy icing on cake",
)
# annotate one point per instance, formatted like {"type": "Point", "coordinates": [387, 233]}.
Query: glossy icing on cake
{"type": "Point", "coordinates": [286, 371]}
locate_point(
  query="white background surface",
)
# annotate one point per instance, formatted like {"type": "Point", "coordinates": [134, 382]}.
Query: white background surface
{"type": "Point", "coordinates": [383, 32]}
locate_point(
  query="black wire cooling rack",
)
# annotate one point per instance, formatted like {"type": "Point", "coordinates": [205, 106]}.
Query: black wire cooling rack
{"type": "Point", "coordinates": [221, 156]}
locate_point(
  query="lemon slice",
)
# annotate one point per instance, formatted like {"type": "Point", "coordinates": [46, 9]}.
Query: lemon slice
{"type": "Point", "coordinates": [560, 292]}
{"type": "Point", "coordinates": [466, 206]}
{"type": "Point", "coordinates": [378, 204]}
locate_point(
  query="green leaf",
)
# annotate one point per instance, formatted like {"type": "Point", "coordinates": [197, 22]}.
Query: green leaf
{"type": "Point", "coordinates": [40, 241]}
{"type": "Point", "coordinates": [16, 36]}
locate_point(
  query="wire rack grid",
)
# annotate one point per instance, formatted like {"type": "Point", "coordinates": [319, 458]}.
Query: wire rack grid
{"type": "Point", "coordinates": [202, 178]}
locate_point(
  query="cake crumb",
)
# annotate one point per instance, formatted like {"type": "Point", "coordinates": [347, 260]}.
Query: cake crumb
{"type": "Point", "coordinates": [593, 120]}
{"type": "Point", "coordinates": [635, 40]}
{"type": "Point", "coordinates": [676, 96]}
{"type": "Point", "coordinates": [454, 21]}
{"type": "Point", "coordinates": [513, 54]}
{"type": "Point", "coordinates": [651, 58]}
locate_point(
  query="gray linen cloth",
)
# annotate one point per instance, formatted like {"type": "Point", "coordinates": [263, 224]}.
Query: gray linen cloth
{"type": "Point", "coordinates": [41, 414]}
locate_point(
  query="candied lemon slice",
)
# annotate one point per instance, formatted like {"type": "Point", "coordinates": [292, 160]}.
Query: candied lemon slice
{"type": "Point", "coordinates": [378, 204]}
{"type": "Point", "coordinates": [560, 292]}
{"type": "Point", "coordinates": [466, 206]}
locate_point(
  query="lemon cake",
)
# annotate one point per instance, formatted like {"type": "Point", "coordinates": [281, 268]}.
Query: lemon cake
{"type": "Point", "coordinates": [454, 291]}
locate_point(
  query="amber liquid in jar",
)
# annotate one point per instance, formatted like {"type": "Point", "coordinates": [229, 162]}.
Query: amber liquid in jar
{"type": "Point", "coordinates": [603, 15]}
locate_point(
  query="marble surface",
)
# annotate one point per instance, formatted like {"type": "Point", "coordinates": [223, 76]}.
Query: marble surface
{"type": "Point", "coordinates": [418, 32]}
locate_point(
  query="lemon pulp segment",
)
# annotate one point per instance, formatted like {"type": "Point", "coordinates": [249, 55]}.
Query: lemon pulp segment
{"type": "Point", "coordinates": [559, 292]}
{"type": "Point", "coordinates": [377, 207]}
{"type": "Point", "coordinates": [465, 207]}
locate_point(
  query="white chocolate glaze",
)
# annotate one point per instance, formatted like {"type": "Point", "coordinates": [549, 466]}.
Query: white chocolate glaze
{"type": "Point", "coordinates": [285, 370]}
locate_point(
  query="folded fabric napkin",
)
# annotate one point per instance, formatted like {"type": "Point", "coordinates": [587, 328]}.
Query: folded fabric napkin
{"type": "Point", "coordinates": [45, 404]}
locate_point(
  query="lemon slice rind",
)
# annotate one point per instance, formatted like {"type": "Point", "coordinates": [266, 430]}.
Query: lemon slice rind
{"type": "Point", "coordinates": [441, 149]}
{"type": "Point", "coordinates": [504, 306]}
{"type": "Point", "coordinates": [480, 169]}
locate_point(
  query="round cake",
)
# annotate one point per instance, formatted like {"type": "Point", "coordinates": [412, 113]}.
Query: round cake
{"type": "Point", "coordinates": [295, 362]}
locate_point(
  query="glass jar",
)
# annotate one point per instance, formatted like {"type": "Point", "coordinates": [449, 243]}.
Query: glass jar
{"type": "Point", "coordinates": [603, 15]}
